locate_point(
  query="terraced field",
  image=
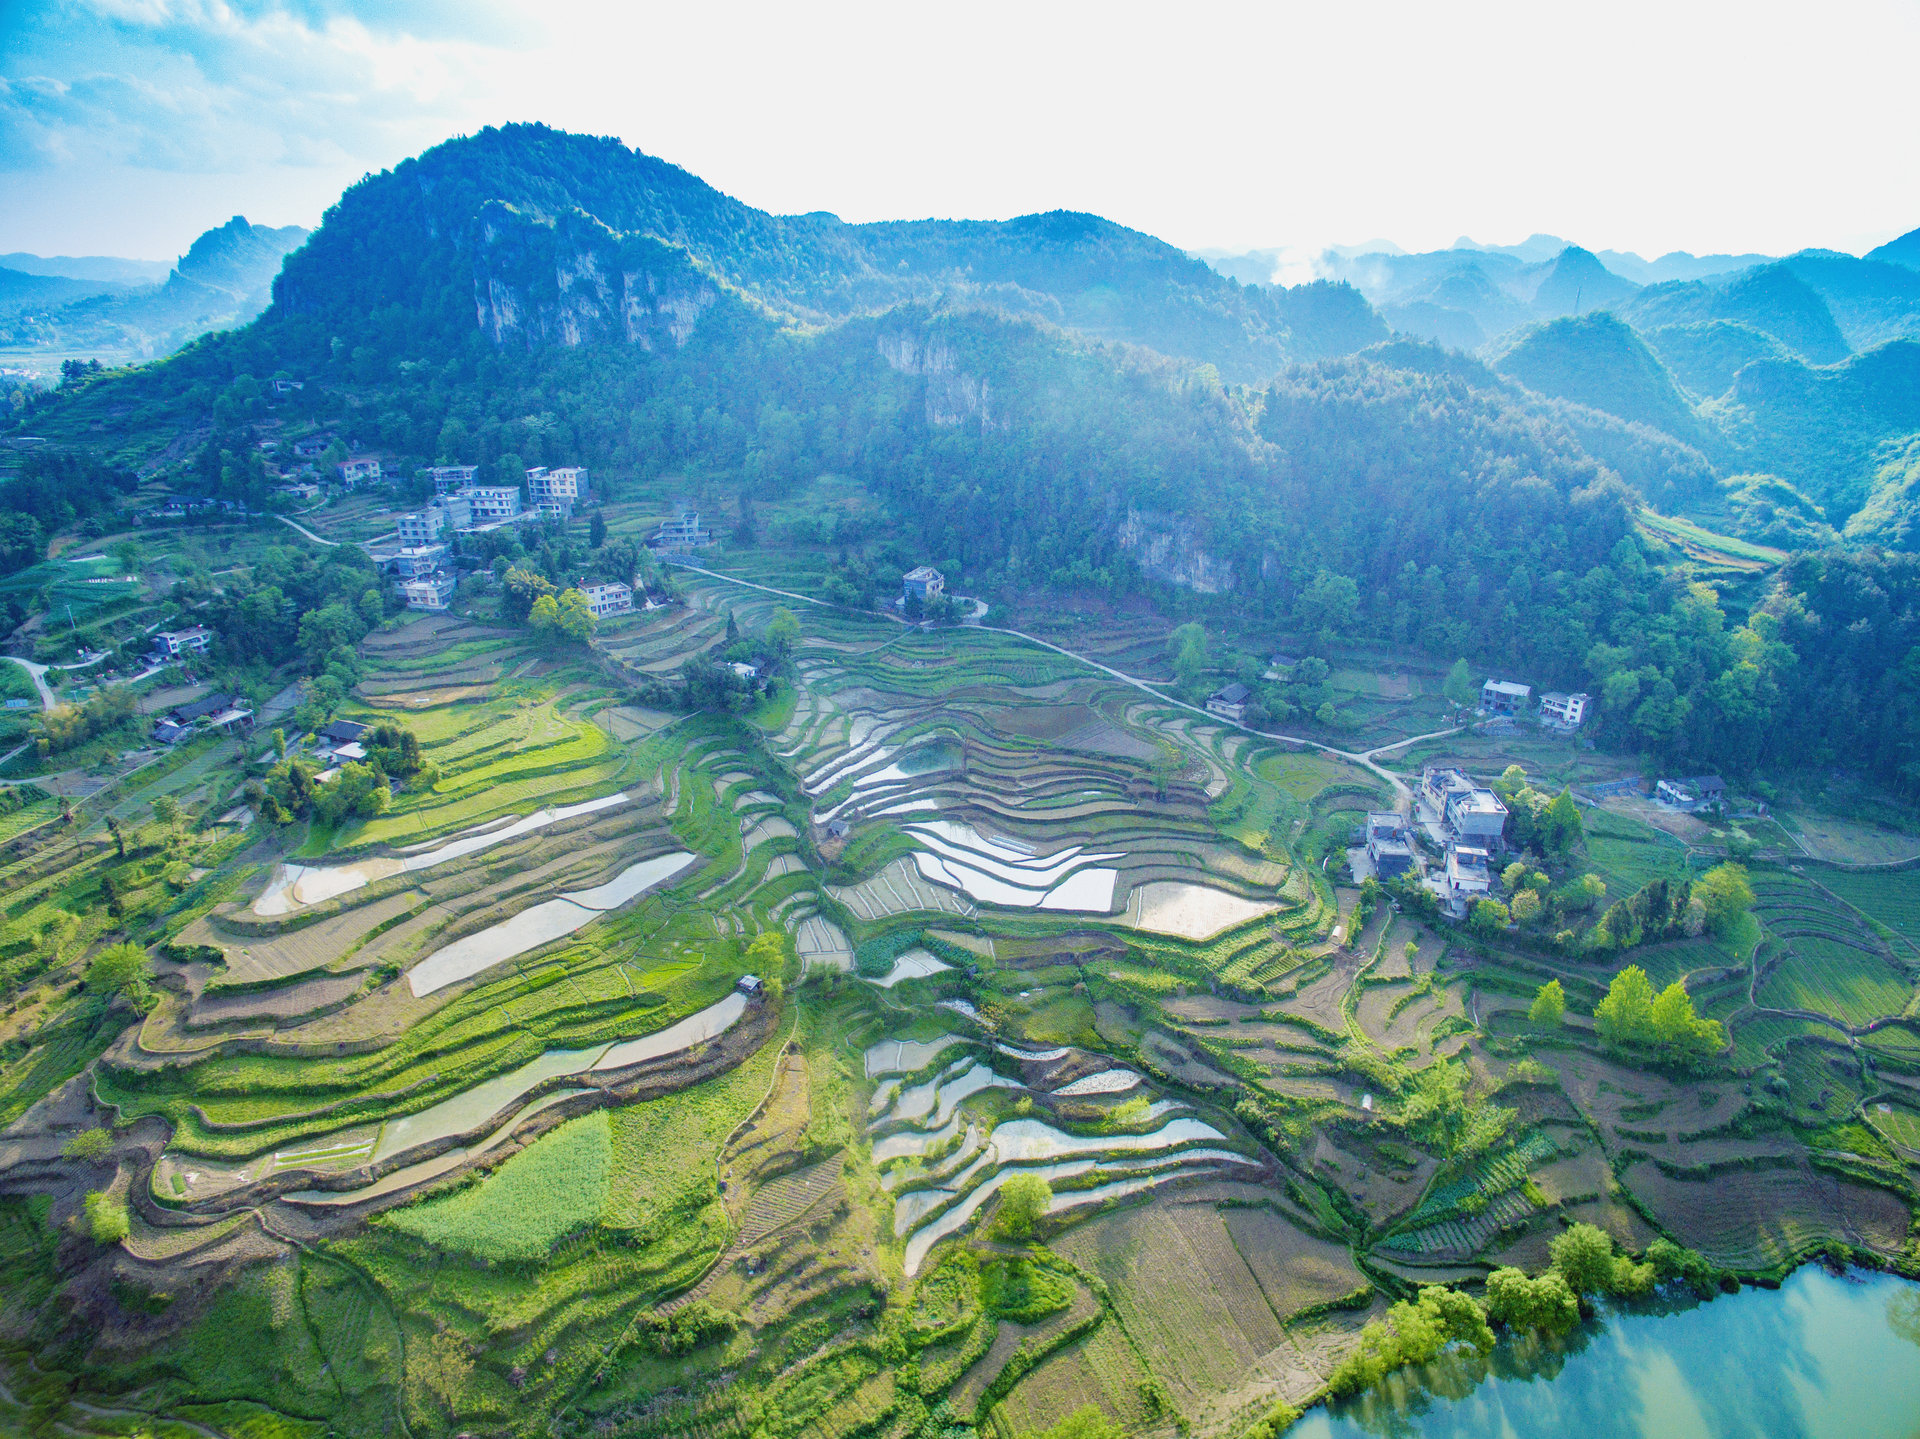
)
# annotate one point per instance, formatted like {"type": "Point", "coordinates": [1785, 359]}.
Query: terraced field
{"type": "Point", "coordinates": [485, 1079]}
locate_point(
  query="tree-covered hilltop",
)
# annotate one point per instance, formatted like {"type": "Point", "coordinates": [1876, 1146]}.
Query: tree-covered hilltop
{"type": "Point", "coordinates": [442, 232]}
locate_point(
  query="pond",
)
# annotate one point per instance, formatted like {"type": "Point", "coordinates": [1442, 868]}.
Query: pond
{"type": "Point", "coordinates": [1825, 1356]}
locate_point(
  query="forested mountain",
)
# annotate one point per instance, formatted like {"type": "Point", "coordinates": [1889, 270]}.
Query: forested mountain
{"type": "Point", "coordinates": [1772, 299]}
{"type": "Point", "coordinates": [527, 297]}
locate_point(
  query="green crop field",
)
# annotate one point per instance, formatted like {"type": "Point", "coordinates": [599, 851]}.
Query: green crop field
{"type": "Point", "coordinates": [555, 1187]}
{"type": "Point", "coordinates": [1833, 978]}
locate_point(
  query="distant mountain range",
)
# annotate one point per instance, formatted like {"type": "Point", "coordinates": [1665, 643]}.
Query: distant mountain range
{"type": "Point", "coordinates": [141, 309]}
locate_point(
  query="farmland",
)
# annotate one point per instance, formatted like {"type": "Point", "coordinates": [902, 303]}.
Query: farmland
{"type": "Point", "coordinates": [474, 1082]}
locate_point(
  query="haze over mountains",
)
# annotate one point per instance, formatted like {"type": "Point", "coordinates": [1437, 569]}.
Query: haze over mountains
{"type": "Point", "coordinates": [140, 309]}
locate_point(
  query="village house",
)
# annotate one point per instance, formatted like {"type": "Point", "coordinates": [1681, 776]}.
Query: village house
{"type": "Point", "coordinates": [613, 598]}
{"type": "Point", "coordinates": [422, 527]}
{"type": "Point", "coordinates": [1467, 874]}
{"type": "Point", "coordinates": [301, 492]}
{"type": "Point", "coordinates": [451, 479]}
{"type": "Point", "coordinates": [922, 583]}
{"type": "Point", "coordinates": [226, 712]}
{"type": "Point", "coordinates": [359, 471]}
{"type": "Point", "coordinates": [1503, 697]}
{"type": "Point", "coordinates": [1697, 792]}
{"type": "Point", "coordinates": [313, 447]}
{"type": "Point", "coordinates": [1563, 712]}
{"type": "Point", "coordinates": [1230, 701]}
{"type": "Point", "coordinates": [683, 533]}
{"type": "Point", "coordinates": [1388, 844]}
{"type": "Point", "coordinates": [429, 592]}
{"type": "Point", "coordinates": [556, 492]}
{"type": "Point", "coordinates": [492, 502]}
{"type": "Point", "coordinates": [416, 560]}
{"type": "Point", "coordinates": [171, 644]}
{"type": "Point", "coordinates": [1462, 809]}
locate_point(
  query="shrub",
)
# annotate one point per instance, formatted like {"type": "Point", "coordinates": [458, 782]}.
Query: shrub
{"type": "Point", "coordinates": [1023, 1291]}
{"type": "Point", "coordinates": [1412, 1333]}
{"type": "Point", "coordinates": [1584, 1257]}
{"type": "Point", "coordinates": [88, 1144]}
{"type": "Point", "coordinates": [1549, 1005]}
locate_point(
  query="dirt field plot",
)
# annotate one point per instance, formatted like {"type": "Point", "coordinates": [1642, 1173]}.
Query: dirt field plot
{"type": "Point", "coordinates": [1188, 1300]}
{"type": "Point", "coordinates": [1763, 1217]}
{"type": "Point", "coordinates": [1296, 1270]}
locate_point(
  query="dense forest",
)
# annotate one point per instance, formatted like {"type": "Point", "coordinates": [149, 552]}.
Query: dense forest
{"type": "Point", "coordinates": [467, 307]}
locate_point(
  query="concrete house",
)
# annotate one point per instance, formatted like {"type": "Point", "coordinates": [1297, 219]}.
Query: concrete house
{"type": "Point", "coordinates": [922, 583]}
{"type": "Point", "coordinates": [608, 599]}
{"type": "Point", "coordinates": [422, 527]}
{"type": "Point", "coordinates": [1563, 712]}
{"type": "Point", "coordinates": [493, 502]}
{"type": "Point", "coordinates": [451, 479]}
{"type": "Point", "coordinates": [1697, 792]}
{"type": "Point", "coordinates": [558, 491]}
{"type": "Point", "coordinates": [1476, 817]}
{"type": "Point", "coordinates": [418, 560]}
{"type": "Point", "coordinates": [429, 592]}
{"type": "Point", "coordinates": [170, 644]}
{"type": "Point", "coordinates": [1467, 874]}
{"type": "Point", "coordinates": [1503, 697]}
{"type": "Point", "coordinates": [1388, 845]}
{"type": "Point", "coordinates": [1230, 701]}
{"type": "Point", "coordinates": [683, 533]}
{"type": "Point", "coordinates": [358, 472]}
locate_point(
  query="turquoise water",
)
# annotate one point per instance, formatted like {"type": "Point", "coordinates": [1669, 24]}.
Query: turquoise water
{"type": "Point", "coordinates": [1822, 1357]}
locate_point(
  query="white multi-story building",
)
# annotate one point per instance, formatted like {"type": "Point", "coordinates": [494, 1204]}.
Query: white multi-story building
{"type": "Point", "coordinates": [493, 502]}
{"type": "Point", "coordinates": [422, 527]}
{"type": "Point", "coordinates": [608, 599]}
{"type": "Point", "coordinates": [1567, 712]}
{"type": "Point", "coordinates": [1476, 817]}
{"type": "Point", "coordinates": [1504, 697]}
{"type": "Point", "coordinates": [429, 592]}
{"type": "Point", "coordinates": [682, 533]}
{"type": "Point", "coordinates": [180, 642]}
{"type": "Point", "coordinates": [450, 479]}
{"type": "Point", "coordinates": [417, 560]}
{"type": "Point", "coordinates": [354, 472]}
{"type": "Point", "coordinates": [558, 491]}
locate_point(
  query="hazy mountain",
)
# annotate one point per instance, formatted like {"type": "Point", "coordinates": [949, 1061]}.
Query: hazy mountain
{"type": "Point", "coordinates": [224, 279]}
{"type": "Point", "coordinates": [1872, 301]}
{"type": "Point", "coordinates": [1533, 250]}
{"type": "Point", "coordinates": [1597, 360]}
{"type": "Point", "coordinates": [107, 268]}
{"type": "Point", "coordinates": [1771, 299]}
{"type": "Point", "coordinates": [20, 289]}
{"type": "Point", "coordinates": [1575, 282]}
{"type": "Point", "coordinates": [1676, 265]}
{"type": "Point", "coordinates": [1707, 354]}
{"type": "Point", "coordinates": [1903, 251]}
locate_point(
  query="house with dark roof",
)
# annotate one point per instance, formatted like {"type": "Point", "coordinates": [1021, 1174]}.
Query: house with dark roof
{"type": "Point", "coordinates": [1230, 701]}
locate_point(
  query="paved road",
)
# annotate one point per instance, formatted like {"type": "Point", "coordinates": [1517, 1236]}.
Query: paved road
{"type": "Point", "coordinates": [39, 673]}
{"type": "Point", "coordinates": [1403, 796]}
{"type": "Point", "coordinates": [330, 544]}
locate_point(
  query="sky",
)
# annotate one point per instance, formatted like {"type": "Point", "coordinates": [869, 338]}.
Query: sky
{"type": "Point", "coordinates": [129, 126]}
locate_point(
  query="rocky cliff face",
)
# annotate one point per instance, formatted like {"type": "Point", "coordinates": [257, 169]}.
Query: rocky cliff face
{"type": "Point", "coordinates": [1168, 548]}
{"type": "Point", "coordinates": [572, 280]}
{"type": "Point", "coordinates": [954, 397]}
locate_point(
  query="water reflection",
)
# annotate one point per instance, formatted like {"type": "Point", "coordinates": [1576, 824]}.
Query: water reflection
{"type": "Point", "coordinates": [1824, 1357]}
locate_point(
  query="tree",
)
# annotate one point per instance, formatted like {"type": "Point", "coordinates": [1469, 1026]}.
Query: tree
{"type": "Point", "coordinates": [1489, 916]}
{"type": "Point", "coordinates": [523, 588]}
{"type": "Point", "coordinates": [1514, 875]}
{"type": "Point", "coordinates": [1725, 894]}
{"type": "Point", "coordinates": [769, 953]}
{"type": "Point", "coordinates": [1191, 657]}
{"type": "Point", "coordinates": [783, 631]}
{"type": "Point", "coordinates": [1583, 1257]}
{"type": "Point", "coordinates": [543, 616]}
{"type": "Point", "coordinates": [120, 969]}
{"type": "Point", "coordinates": [1459, 686]}
{"type": "Point", "coordinates": [1412, 1333]}
{"type": "Point", "coordinates": [1525, 907]}
{"type": "Point", "coordinates": [1549, 1004]}
{"type": "Point", "coordinates": [597, 530]}
{"type": "Point", "coordinates": [1023, 1199]}
{"type": "Point", "coordinates": [1561, 829]}
{"type": "Point", "coordinates": [1625, 1016]}
{"type": "Point", "coordinates": [574, 617]}
{"type": "Point", "coordinates": [166, 809]}
{"type": "Point", "coordinates": [1545, 1305]}
{"type": "Point", "coordinates": [106, 1218]}
{"type": "Point", "coordinates": [1328, 604]}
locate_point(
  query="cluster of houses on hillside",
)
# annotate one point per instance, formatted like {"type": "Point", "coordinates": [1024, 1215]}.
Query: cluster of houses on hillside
{"type": "Point", "coordinates": [1504, 699]}
{"type": "Point", "coordinates": [422, 568]}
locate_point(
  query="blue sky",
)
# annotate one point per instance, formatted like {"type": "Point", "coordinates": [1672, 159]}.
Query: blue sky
{"type": "Point", "coordinates": [128, 126]}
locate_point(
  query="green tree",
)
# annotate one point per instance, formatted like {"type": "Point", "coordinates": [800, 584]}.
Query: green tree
{"type": "Point", "coordinates": [1625, 1016]}
{"type": "Point", "coordinates": [120, 969]}
{"type": "Point", "coordinates": [1514, 875]}
{"type": "Point", "coordinates": [1459, 686]}
{"type": "Point", "coordinates": [127, 555]}
{"type": "Point", "coordinates": [597, 530]}
{"type": "Point", "coordinates": [1549, 1005]}
{"type": "Point", "coordinates": [783, 631]}
{"type": "Point", "coordinates": [1489, 916]}
{"type": "Point", "coordinates": [1412, 1333]}
{"type": "Point", "coordinates": [1583, 1257]}
{"type": "Point", "coordinates": [166, 809]}
{"type": "Point", "coordinates": [1545, 1305]}
{"type": "Point", "coordinates": [1562, 830]}
{"type": "Point", "coordinates": [106, 1218]}
{"type": "Point", "coordinates": [1726, 894]}
{"type": "Point", "coordinates": [544, 616]}
{"type": "Point", "coordinates": [576, 618]}
{"type": "Point", "coordinates": [1089, 1421]}
{"type": "Point", "coordinates": [1328, 604]}
{"type": "Point", "coordinates": [521, 589]}
{"type": "Point", "coordinates": [1525, 907]}
{"type": "Point", "coordinates": [1191, 654]}
{"type": "Point", "coordinates": [1023, 1199]}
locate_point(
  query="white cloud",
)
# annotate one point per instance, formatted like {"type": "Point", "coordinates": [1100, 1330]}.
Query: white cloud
{"type": "Point", "coordinates": [1643, 125]}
